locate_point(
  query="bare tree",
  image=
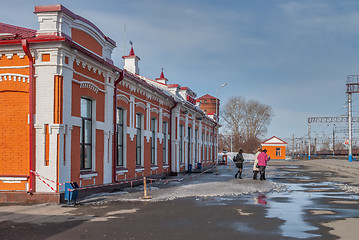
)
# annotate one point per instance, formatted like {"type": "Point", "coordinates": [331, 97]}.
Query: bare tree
{"type": "Point", "coordinates": [233, 114]}
{"type": "Point", "coordinates": [257, 117]}
{"type": "Point", "coordinates": [246, 121]}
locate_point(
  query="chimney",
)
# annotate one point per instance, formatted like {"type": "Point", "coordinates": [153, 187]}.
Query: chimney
{"type": "Point", "coordinates": [131, 62]}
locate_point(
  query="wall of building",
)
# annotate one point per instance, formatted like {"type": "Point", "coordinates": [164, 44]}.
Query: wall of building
{"type": "Point", "coordinates": [63, 76]}
{"type": "Point", "coordinates": [14, 128]}
{"type": "Point", "coordinates": [271, 151]}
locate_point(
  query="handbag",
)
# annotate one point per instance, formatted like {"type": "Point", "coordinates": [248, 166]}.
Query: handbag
{"type": "Point", "coordinates": [257, 165]}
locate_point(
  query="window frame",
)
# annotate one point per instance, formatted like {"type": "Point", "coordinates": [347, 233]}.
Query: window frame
{"type": "Point", "coordinates": [196, 145]}
{"type": "Point", "coordinates": [181, 129]}
{"type": "Point", "coordinates": [189, 153]}
{"type": "Point", "coordinates": [120, 158]}
{"type": "Point", "coordinates": [164, 142]}
{"type": "Point", "coordinates": [83, 133]}
{"type": "Point", "coordinates": [139, 122]}
{"type": "Point", "coordinates": [153, 141]}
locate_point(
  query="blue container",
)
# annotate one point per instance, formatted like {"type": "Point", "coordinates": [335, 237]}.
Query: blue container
{"type": "Point", "coordinates": [199, 166]}
{"type": "Point", "coordinates": [71, 192]}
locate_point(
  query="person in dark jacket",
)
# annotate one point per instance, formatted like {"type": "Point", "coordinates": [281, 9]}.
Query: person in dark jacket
{"type": "Point", "coordinates": [238, 159]}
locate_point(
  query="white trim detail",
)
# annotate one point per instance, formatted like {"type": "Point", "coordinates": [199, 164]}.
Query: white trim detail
{"type": "Point", "coordinates": [14, 77]}
{"type": "Point", "coordinates": [13, 178]}
{"type": "Point", "coordinates": [141, 105]}
{"type": "Point", "coordinates": [15, 67]}
{"type": "Point", "coordinates": [123, 98]}
{"type": "Point", "coordinates": [89, 85]}
{"type": "Point", "coordinates": [166, 115]}
{"type": "Point", "coordinates": [88, 176]}
{"type": "Point", "coordinates": [155, 110]}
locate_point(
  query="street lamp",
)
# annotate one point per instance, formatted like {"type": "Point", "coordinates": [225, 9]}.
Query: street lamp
{"type": "Point", "coordinates": [223, 85]}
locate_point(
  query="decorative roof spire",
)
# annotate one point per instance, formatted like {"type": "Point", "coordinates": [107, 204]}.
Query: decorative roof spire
{"type": "Point", "coordinates": [162, 78]}
{"type": "Point", "coordinates": [162, 75]}
{"type": "Point", "coordinates": [132, 53]}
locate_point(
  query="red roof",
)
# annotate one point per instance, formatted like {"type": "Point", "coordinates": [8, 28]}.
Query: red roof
{"type": "Point", "coordinates": [282, 142]}
{"type": "Point", "coordinates": [132, 54]}
{"type": "Point", "coordinates": [19, 31]}
{"type": "Point", "coordinates": [205, 97]}
{"type": "Point", "coordinates": [162, 77]}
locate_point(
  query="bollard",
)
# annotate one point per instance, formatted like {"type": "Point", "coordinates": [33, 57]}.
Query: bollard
{"type": "Point", "coordinates": [145, 189]}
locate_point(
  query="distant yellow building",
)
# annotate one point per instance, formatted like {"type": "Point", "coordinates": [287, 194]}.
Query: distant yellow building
{"type": "Point", "coordinates": [276, 147]}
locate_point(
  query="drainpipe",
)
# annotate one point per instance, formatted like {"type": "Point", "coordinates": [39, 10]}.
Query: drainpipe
{"type": "Point", "coordinates": [120, 78]}
{"type": "Point", "coordinates": [25, 47]}
{"type": "Point", "coordinates": [170, 130]}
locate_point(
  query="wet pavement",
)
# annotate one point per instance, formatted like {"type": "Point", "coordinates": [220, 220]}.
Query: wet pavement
{"type": "Point", "coordinates": [296, 202]}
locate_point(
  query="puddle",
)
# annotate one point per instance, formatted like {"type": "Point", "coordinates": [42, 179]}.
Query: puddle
{"type": "Point", "coordinates": [295, 206]}
{"type": "Point", "coordinates": [300, 205]}
{"type": "Point", "coordinates": [292, 211]}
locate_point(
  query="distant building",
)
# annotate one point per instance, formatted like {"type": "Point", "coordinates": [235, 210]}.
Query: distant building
{"type": "Point", "coordinates": [209, 104]}
{"type": "Point", "coordinates": [68, 114]}
{"type": "Point", "coordinates": [276, 148]}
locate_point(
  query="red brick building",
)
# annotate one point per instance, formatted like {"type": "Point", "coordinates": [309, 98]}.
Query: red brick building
{"type": "Point", "coordinates": [68, 114]}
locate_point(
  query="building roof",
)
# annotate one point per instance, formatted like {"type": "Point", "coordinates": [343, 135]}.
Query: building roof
{"type": "Point", "coordinates": [162, 76]}
{"type": "Point", "coordinates": [206, 97]}
{"type": "Point", "coordinates": [20, 32]}
{"type": "Point", "coordinates": [60, 8]}
{"type": "Point", "coordinates": [274, 141]}
{"type": "Point", "coordinates": [132, 54]}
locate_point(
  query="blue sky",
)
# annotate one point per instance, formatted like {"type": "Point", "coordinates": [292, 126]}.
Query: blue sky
{"type": "Point", "coordinates": [292, 55]}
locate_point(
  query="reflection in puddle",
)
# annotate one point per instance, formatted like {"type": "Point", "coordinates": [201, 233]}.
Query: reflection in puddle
{"type": "Point", "coordinates": [292, 211]}
{"type": "Point", "coordinates": [261, 199]}
{"type": "Point", "coordinates": [291, 206]}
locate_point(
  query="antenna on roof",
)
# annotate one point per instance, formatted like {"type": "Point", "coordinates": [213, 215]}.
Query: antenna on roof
{"type": "Point", "coordinates": [124, 39]}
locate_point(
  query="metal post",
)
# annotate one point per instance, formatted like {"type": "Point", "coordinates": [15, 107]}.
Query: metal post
{"type": "Point", "coordinates": [315, 146]}
{"type": "Point", "coordinates": [293, 146]}
{"type": "Point", "coordinates": [309, 140]}
{"type": "Point", "coordinates": [350, 126]}
{"type": "Point", "coordinates": [145, 196]}
{"type": "Point", "coordinates": [334, 140]}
